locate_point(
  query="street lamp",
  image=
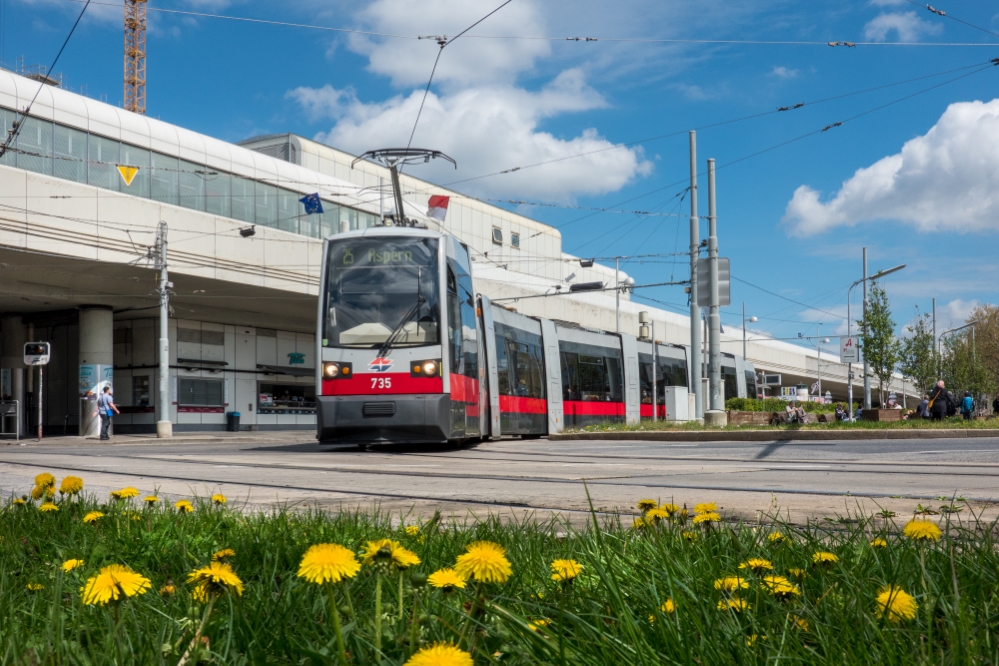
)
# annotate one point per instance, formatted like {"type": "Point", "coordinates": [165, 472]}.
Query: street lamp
{"type": "Point", "coordinates": [752, 320]}
{"type": "Point", "coordinates": [849, 322]}
{"type": "Point", "coordinates": [819, 341]}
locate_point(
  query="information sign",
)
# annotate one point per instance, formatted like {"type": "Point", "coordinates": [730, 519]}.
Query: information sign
{"type": "Point", "coordinates": [849, 349]}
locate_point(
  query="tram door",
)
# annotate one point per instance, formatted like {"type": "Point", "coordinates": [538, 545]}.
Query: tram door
{"type": "Point", "coordinates": [463, 340]}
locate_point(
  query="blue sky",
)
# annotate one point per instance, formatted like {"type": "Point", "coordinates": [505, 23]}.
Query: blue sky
{"type": "Point", "coordinates": [792, 220]}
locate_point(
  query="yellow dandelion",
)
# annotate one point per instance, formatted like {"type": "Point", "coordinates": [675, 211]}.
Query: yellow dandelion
{"type": "Point", "coordinates": [71, 485]}
{"type": "Point", "coordinates": [214, 579]}
{"type": "Point", "coordinates": [671, 508]}
{"type": "Point", "coordinates": [823, 557]}
{"type": "Point", "coordinates": [125, 493]}
{"type": "Point", "coordinates": [446, 579]}
{"type": "Point", "coordinates": [484, 561]}
{"type": "Point", "coordinates": [801, 623]}
{"type": "Point", "coordinates": [731, 584]}
{"type": "Point", "coordinates": [440, 654]}
{"type": "Point", "coordinates": [35, 587]}
{"type": "Point", "coordinates": [637, 524]}
{"type": "Point", "coordinates": [114, 582]}
{"type": "Point", "coordinates": [734, 605]}
{"type": "Point", "coordinates": [92, 517]}
{"type": "Point", "coordinates": [39, 492]}
{"type": "Point", "coordinates": [393, 554]}
{"type": "Point", "coordinates": [224, 553]}
{"type": "Point", "coordinates": [879, 543]}
{"type": "Point", "coordinates": [668, 607]}
{"type": "Point", "coordinates": [17, 501]}
{"type": "Point", "coordinates": [69, 565]}
{"type": "Point", "coordinates": [565, 570]}
{"type": "Point", "coordinates": [922, 530]}
{"type": "Point", "coordinates": [167, 590]}
{"type": "Point", "coordinates": [534, 625]}
{"type": "Point", "coordinates": [706, 507]}
{"type": "Point", "coordinates": [647, 504]}
{"type": "Point", "coordinates": [709, 517]}
{"type": "Point", "coordinates": [44, 479]}
{"type": "Point", "coordinates": [183, 506]}
{"type": "Point", "coordinates": [218, 499]}
{"type": "Point", "coordinates": [780, 587]}
{"type": "Point", "coordinates": [776, 538]}
{"type": "Point", "coordinates": [757, 565]}
{"type": "Point", "coordinates": [48, 507]}
{"type": "Point", "coordinates": [798, 573]}
{"type": "Point", "coordinates": [690, 536]}
{"type": "Point", "coordinates": [150, 499]}
{"type": "Point", "coordinates": [896, 604]}
{"type": "Point", "coordinates": [328, 563]}
{"type": "Point", "coordinates": [412, 530]}
{"type": "Point", "coordinates": [658, 513]}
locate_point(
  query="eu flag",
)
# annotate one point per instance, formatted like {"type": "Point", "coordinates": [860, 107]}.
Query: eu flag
{"type": "Point", "coordinates": [312, 203]}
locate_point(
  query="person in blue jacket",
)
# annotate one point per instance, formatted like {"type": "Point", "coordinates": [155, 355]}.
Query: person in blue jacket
{"type": "Point", "coordinates": [967, 405]}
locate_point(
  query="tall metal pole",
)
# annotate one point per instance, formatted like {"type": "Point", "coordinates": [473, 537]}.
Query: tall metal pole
{"type": "Point", "coordinates": [696, 371]}
{"type": "Point", "coordinates": [867, 367]}
{"type": "Point", "coordinates": [655, 376]}
{"type": "Point", "coordinates": [849, 366]}
{"type": "Point", "coordinates": [164, 427]}
{"type": "Point", "coordinates": [617, 294]}
{"type": "Point", "coordinates": [41, 368]}
{"type": "Point", "coordinates": [818, 356]}
{"type": "Point", "coordinates": [714, 318]}
{"type": "Point", "coordinates": [744, 330]}
{"type": "Point", "coordinates": [936, 348]}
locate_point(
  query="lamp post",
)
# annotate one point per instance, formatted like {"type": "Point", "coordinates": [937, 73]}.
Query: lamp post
{"type": "Point", "coordinates": [752, 320]}
{"type": "Point", "coordinates": [849, 324]}
{"type": "Point", "coordinates": [819, 341]}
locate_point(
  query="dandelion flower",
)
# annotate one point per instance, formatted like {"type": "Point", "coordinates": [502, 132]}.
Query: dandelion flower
{"type": "Point", "coordinates": [440, 654]}
{"type": "Point", "coordinates": [647, 505]}
{"type": "Point", "coordinates": [657, 513]}
{"type": "Point", "coordinates": [183, 506]}
{"type": "Point", "coordinates": [48, 507]}
{"type": "Point", "coordinates": [879, 543]}
{"type": "Point", "coordinates": [328, 563]}
{"type": "Point", "coordinates": [396, 555]}
{"type": "Point", "coordinates": [446, 579]}
{"type": "Point", "coordinates": [801, 623]}
{"type": "Point", "coordinates": [538, 624]}
{"type": "Point", "coordinates": [71, 485]}
{"type": "Point", "coordinates": [114, 582]}
{"type": "Point", "coordinates": [35, 587]}
{"type": "Point", "coordinates": [92, 517]}
{"type": "Point", "coordinates": [125, 493]}
{"type": "Point", "coordinates": [896, 604]}
{"type": "Point", "coordinates": [671, 508]}
{"type": "Point", "coordinates": [823, 557]}
{"type": "Point", "coordinates": [922, 530]}
{"type": "Point", "coordinates": [706, 507]}
{"type": "Point", "coordinates": [780, 587]}
{"type": "Point", "coordinates": [751, 639]}
{"type": "Point", "coordinates": [668, 607]}
{"type": "Point", "coordinates": [69, 565]}
{"type": "Point", "coordinates": [690, 536]}
{"type": "Point", "coordinates": [798, 573]}
{"type": "Point", "coordinates": [637, 524]}
{"type": "Point", "coordinates": [484, 561]}
{"type": "Point", "coordinates": [734, 605]}
{"type": "Point", "coordinates": [214, 579]}
{"type": "Point", "coordinates": [224, 553]}
{"type": "Point", "coordinates": [709, 517]}
{"type": "Point", "coordinates": [44, 479]}
{"type": "Point", "coordinates": [731, 584]}
{"type": "Point", "coordinates": [757, 565]}
{"type": "Point", "coordinates": [150, 499]}
{"type": "Point", "coordinates": [776, 538]}
{"type": "Point", "coordinates": [412, 530]}
{"type": "Point", "coordinates": [218, 499]}
{"type": "Point", "coordinates": [39, 492]}
{"type": "Point", "coordinates": [167, 590]}
{"type": "Point", "coordinates": [565, 570]}
{"type": "Point", "coordinates": [17, 501]}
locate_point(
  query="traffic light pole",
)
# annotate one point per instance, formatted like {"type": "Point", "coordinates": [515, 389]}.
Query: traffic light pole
{"type": "Point", "coordinates": [696, 369]}
{"type": "Point", "coordinates": [714, 318]}
{"type": "Point", "coordinates": [164, 427]}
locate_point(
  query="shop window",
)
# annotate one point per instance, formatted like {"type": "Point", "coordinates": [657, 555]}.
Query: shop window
{"type": "Point", "coordinates": [140, 391]}
{"type": "Point", "coordinates": [286, 399]}
{"type": "Point", "coordinates": [193, 392]}
{"type": "Point", "coordinates": [515, 240]}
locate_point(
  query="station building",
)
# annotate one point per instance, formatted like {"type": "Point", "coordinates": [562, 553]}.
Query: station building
{"type": "Point", "coordinates": [77, 270]}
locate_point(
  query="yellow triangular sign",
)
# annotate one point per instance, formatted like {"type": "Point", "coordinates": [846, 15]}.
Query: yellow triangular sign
{"type": "Point", "coordinates": [127, 173]}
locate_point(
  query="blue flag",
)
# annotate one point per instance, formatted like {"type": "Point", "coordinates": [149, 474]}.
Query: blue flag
{"type": "Point", "coordinates": [312, 204]}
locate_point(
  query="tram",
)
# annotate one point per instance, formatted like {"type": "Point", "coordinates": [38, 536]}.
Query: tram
{"type": "Point", "coordinates": [410, 353]}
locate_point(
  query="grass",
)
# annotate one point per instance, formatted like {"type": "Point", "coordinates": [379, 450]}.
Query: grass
{"type": "Point", "coordinates": [610, 614]}
{"type": "Point", "coordinates": [953, 423]}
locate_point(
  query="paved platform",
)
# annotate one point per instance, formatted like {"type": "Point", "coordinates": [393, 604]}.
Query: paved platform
{"type": "Point", "coordinates": [520, 478]}
{"type": "Point", "coordinates": [786, 435]}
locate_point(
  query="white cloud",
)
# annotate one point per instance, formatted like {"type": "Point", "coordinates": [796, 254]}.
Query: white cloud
{"type": "Point", "coordinates": [784, 73]}
{"type": "Point", "coordinates": [484, 127]}
{"type": "Point", "coordinates": [957, 311]}
{"type": "Point", "coordinates": [906, 25]}
{"type": "Point", "coordinates": [945, 180]}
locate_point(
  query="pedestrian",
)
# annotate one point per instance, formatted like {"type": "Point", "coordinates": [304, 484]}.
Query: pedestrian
{"type": "Point", "coordinates": [967, 406]}
{"type": "Point", "coordinates": [941, 402]}
{"type": "Point", "coordinates": [841, 414]}
{"type": "Point", "coordinates": [858, 414]}
{"type": "Point", "coordinates": [921, 410]}
{"type": "Point", "coordinates": [105, 408]}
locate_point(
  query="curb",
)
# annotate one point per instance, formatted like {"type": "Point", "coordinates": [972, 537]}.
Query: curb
{"type": "Point", "coordinates": [772, 435]}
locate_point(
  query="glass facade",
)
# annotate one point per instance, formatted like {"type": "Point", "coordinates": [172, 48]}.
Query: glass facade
{"type": "Point", "coordinates": [70, 154]}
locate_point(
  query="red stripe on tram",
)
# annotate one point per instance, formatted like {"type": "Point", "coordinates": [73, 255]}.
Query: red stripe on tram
{"type": "Point", "coordinates": [593, 408]}
{"type": "Point", "coordinates": [646, 411]}
{"type": "Point", "coordinates": [518, 405]}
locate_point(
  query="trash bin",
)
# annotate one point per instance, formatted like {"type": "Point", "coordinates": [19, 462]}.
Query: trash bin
{"type": "Point", "coordinates": [232, 422]}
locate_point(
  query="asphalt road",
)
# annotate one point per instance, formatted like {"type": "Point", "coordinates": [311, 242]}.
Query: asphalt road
{"type": "Point", "coordinates": [513, 477]}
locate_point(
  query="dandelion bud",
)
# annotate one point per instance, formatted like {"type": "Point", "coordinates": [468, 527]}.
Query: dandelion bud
{"type": "Point", "coordinates": [418, 579]}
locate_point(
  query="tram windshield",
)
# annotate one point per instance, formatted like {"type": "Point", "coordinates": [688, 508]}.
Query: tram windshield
{"type": "Point", "coordinates": [380, 288]}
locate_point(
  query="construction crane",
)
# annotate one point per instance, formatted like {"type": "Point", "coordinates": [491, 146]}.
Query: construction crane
{"type": "Point", "coordinates": [135, 56]}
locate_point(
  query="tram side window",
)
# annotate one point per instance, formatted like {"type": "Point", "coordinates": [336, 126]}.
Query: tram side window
{"type": "Point", "coordinates": [591, 378]}
{"type": "Point", "coordinates": [750, 384]}
{"type": "Point", "coordinates": [730, 381]}
{"type": "Point", "coordinates": [674, 372]}
{"type": "Point", "coordinates": [645, 369]}
{"type": "Point", "coordinates": [453, 320]}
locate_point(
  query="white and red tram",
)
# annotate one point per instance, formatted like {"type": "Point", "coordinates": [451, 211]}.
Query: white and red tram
{"type": "Point", "coordinates": [411, 354]}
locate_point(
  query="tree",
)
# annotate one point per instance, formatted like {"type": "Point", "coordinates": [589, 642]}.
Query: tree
{"type": "Point", "coordinates": [970, 358]}
{"type": "Point", "coordinates": [880, 346]}
{"type": "Point", "coordinates": [918, 362]}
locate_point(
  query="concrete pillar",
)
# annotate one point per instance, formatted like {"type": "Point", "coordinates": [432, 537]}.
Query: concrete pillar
{"type": "Point", "coordinates": [96, 363]}
{"type": "Point", "coordinates": [13, 335]}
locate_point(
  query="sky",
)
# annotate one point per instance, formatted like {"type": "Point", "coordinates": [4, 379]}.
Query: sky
{"type": "Point", "coordinates": [911, 173]}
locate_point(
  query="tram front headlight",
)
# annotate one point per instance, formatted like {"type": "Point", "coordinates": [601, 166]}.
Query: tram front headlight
{"type": "Point", "coordinates": [331, 370]}
{"type": "Point", "coordinates": [430, 368]}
